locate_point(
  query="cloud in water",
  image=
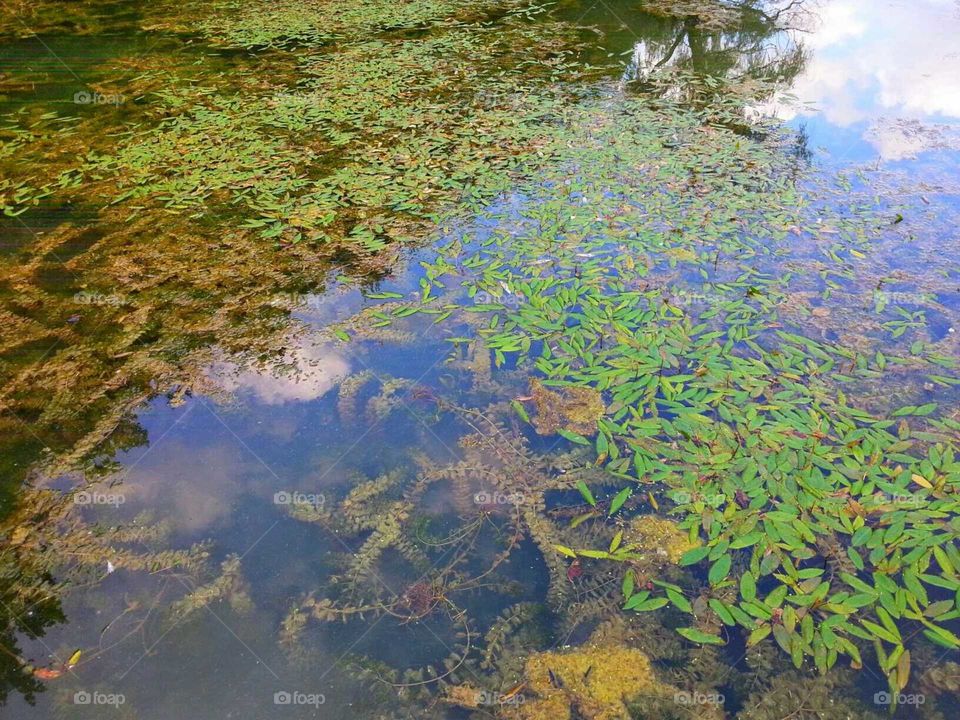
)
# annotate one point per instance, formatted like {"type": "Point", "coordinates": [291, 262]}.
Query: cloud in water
{"type": "Point", "coordinates": [304, 372]}
{"type": "Point", "coordinates": [871, 62]}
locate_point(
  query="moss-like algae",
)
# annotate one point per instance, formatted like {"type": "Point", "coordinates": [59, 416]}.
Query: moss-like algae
{"type": "Point", "coordinates": [576, 409]}
{"type": "Point", "coordinates": [594, 682]}
{"type": "Point", "coordinates": [660, 536]}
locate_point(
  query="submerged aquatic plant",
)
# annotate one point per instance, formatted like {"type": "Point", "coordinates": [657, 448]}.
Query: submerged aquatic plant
{"type": "Point", "coordinates": [313, 23]}
{"type": "Point", "coordinates": [427, 122]}
{"type": "Point", "coordinates": [48, 550]}
{"type": "Point", "coordinates": [498, 491]}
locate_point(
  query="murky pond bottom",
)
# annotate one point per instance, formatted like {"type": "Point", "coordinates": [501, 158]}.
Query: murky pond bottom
{"type": "Point", "coordinates": [480, 360]}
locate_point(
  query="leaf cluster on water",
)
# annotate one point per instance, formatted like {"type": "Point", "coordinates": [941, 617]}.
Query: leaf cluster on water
{"type": "Point", "coordinates": [648, 265]}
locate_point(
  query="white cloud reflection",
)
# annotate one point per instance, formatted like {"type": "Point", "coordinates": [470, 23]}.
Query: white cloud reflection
{"type": "Point", "coordinates": [304, 372]}
{"type": "Point", "coordinates": [874, 62]}
{"type": "Point", "coordinates": [194, 488]}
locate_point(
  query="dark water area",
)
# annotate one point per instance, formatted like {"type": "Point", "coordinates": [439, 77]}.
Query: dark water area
{"type": "Point", "coordinates": [480, 359]}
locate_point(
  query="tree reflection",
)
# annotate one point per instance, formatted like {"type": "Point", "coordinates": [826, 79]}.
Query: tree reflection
{"type": "Point", "coordinates": [746, 43]}
{"type": "Point", "coordinates": [750, 45]}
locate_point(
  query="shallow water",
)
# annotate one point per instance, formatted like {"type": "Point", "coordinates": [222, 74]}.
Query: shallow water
{"type": "Point", "coordinates": [179, 378]}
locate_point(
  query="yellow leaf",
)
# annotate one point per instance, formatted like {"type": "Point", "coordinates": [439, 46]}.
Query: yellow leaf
{"type": "Point", "coordinates": [921, 481]}
{"type": "Point", "coordinates": [903, 669]}
{"type": "Point", "coordinates": [582, 518]}
{"type": "Point", "coordinates": [616, 540]}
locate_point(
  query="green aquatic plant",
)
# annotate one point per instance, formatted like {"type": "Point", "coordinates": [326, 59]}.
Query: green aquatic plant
{"type": "Point", "coordinates": [428, 121]}
{"type": "Point", "coordinates": [574, 409]}
{"type": "Point", "coordinates": [315, 23]}
{"type": "Point", "coordinates": [597, 681]}
{"type": "Point", "coordinates": [820, 523]}
{"type": "Point", "coordinates": [805, 698]}
{"type": "Point", "coordinates": [23, 187]}
{"type": "Point", "coordinates": [26, 18]}
{"type": "Point", "coordinates": [229, 586]}
{"type": "Point", "coordinates": [433, 119]}
{"type": "Point", "coordinates": [504, 641]}
{"type": "Point", "coordinates": [123, 326]}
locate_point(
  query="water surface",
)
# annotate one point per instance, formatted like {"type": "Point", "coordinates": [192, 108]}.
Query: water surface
{"type": "Point", "coordinates": [279, 292]}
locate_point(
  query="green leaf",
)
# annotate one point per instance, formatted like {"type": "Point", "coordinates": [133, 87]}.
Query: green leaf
{"type": "Point", "coordinates": [722, 611]}
{"type": "Point", "coordinates": [520, 410]}
{"type": "Point", "coordinates": [880, 632]}
{"type": "Point", "coordinates": [759, 634]}
{"type": "Point", "coordinates": [678, 599]}
{"type": "Point", "coordinates": [650, 604]}
{"type": "Point", "coordinates": [942, 636]}
{"type": "Point", "coordinates": [619, 499]}
{"type": "Point", "coordinates": [573, 437]}
{"type": "Point", "coordinates": [914, 586]}
{"type": "Point", "coordinates": [636, 599]}
{"type": "Point", "coordinates": [719, 570]}
{"type": "Point", "coordinates": [615, 543]}
{"type": "Point", "coordinates": [698, 636]}
{"type": "Point", "coordinates": [692, 557]}
{"type": "Point", "coordinates": [585, 491]}
{"type": "Point", "coordinates": [861, 536]}
{"type": "Point", "coordinates": [746, 540]}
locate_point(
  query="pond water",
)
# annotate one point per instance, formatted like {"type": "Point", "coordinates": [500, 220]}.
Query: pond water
{"type": "Point", "coordinates": [461, 359]}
